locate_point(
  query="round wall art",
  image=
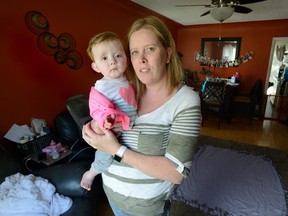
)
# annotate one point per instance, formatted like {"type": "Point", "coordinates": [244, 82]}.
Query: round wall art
{"type": "Point", "coordinates": [74, 60]}
{"type": "Point", "coordinates": [62, 48]}
{"type": "Point", "coordinates": [36, 22]}
{"type": "Point", "coordinates": [47, 43]}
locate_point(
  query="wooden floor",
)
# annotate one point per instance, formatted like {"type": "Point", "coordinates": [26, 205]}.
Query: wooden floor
{"type": "Point", "coordinates": [263, 133]}
{"type": "Point", "coordinates": [105, 210]}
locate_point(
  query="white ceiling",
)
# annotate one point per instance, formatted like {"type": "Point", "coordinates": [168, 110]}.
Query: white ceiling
{"type": "Point", "coordinates": [266, 10]}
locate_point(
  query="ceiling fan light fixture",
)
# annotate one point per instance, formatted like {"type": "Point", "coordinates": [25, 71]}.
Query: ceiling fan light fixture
{"type": "Point", "coordinates": [221, 13]}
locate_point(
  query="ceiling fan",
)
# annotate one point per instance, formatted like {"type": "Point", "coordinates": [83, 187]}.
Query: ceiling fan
{"type": "Point", "coordinates": [223, 9]}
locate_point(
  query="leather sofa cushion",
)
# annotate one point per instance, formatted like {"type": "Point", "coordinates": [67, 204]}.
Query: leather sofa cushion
{"type": "Point", "coordinates": [9, 165]}
{"type": "Point", "coordinates": [66, 177]}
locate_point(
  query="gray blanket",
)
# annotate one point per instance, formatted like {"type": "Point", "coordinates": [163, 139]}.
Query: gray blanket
{"type": "Point", "coordinates": [233, 179]}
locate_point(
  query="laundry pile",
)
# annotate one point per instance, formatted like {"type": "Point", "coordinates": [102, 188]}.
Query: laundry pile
{"type": "Point", "coordinates": [31, 195]}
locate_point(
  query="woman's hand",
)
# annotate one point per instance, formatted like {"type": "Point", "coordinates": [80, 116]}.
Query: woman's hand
{"type": "Point", "coordinates": [150, 165]}
{"type": "Point", "coordinates": [105, 141]}
{"type": "Point", "coordinates": [96, 127]}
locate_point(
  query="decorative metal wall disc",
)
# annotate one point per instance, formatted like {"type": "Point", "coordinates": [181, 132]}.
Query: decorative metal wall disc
{"type": "Point", "coordinates": [61, 48]}
{"type": "Point", "coordinates": [60, 56]}
{"type": "Point", "coordinates": [36, 22]}
{"type": "Point", "coordinates": [74, 60]}
{"type": "Point", "coordinates": [66, 42]}
{"type": "Point", "coordinates": [47, 43]}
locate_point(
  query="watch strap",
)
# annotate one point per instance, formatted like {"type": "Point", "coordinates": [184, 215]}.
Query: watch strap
{"type": "Point", "coordinates": [119, 154]}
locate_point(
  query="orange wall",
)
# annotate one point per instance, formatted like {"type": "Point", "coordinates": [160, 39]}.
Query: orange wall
{"type": "Point", "coordinates": [255, 36]}
{"type": "Point", "coordinates": [33, 85]}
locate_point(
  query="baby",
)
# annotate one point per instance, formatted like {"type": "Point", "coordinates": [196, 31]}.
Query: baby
{"type": "Point", "coordinates": [112, 101]}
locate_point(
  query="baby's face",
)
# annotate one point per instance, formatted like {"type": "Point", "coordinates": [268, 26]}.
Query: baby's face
{"type": "Point", "coordinates": [110, 59]}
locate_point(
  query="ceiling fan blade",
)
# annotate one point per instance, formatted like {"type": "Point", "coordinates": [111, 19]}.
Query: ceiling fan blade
{"type": "Point", "coordinates": [206, 13]}
{"type": "Point", "coordinates": [241, 9]}
{"type": "Point", "coordinates": [249, 1]}
{"type": "Point", "coordinates": [192, 5]}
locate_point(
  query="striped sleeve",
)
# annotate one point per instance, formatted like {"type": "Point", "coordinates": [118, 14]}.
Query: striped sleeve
{"type": "Point", "coordinates": [183, 137]}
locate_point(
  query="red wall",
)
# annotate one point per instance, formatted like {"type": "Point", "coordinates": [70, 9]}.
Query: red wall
{"type": "Point", "coordinates": [33, 85]}
{"type": "Point", "coordinates": [255, 36]}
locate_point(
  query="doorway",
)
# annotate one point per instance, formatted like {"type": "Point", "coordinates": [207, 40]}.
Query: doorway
{"type": "Point", "coordinates": [276, 86]}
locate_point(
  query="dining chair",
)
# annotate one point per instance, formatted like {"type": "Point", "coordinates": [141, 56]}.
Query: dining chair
{"type": "Point", "coordinates": [212, 100]}
{"type": "Point", "coordinates": [251, 103]}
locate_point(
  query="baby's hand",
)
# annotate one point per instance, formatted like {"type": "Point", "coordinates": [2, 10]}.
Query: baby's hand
{"type": "Point", "coordinates": [117, 129]}
{"type": "Point", "coordinates": [96, 127]}
{"type": "Point", "coordinates": [109, 121]}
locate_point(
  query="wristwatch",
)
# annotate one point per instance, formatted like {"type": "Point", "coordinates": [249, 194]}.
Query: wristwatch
{"type": "Point", "coordinates": [119, 154]}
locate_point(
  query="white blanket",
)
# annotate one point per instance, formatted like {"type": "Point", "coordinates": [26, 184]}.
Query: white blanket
{"type": "Point", "coordinates": [31, 195]}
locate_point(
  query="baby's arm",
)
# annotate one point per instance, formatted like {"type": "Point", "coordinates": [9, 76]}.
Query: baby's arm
{"type": "Point", "coordinates": [109, 124]}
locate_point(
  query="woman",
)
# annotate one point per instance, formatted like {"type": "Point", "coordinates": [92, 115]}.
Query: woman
{"type": "Point", "coordinates": [157, 152]}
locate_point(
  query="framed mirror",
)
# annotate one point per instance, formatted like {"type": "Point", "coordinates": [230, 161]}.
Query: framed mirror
{"type": "Point", "coordinates": [225, 49]}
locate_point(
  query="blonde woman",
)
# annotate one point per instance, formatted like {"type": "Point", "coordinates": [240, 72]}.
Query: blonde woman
{"type": "Point", "coordinates": [157, 152]}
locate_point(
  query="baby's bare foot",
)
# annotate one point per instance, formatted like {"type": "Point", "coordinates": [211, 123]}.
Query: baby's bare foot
{"type": "Point", "coordinates": [87, 180]}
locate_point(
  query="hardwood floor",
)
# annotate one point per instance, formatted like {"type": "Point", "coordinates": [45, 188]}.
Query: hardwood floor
{"type": "Point", "coordinates": [263, 133]}
{"type": "Point", "coordinates": [105, 210]}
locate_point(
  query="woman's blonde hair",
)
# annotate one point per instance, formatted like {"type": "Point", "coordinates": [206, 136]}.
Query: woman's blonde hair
{"type": "Point", "coordinates": [102, 37]}
{"type": "Point", "coordinates": [174, 68]}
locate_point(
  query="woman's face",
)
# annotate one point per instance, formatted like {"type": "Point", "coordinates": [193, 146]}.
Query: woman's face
{"type": "Point", "coordinates": [148, 57]}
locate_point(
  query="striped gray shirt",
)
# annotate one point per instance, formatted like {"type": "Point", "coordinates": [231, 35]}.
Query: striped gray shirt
{"type": "Point", "coordinates": [172, 131]}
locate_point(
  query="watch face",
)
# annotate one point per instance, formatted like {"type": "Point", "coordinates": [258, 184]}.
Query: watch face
{"type": "Point", "coordinates": [117, 158]}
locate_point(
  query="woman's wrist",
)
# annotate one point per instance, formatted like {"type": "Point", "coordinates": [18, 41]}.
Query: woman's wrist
{"type": "Point", "coordinates": [119, 154]}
